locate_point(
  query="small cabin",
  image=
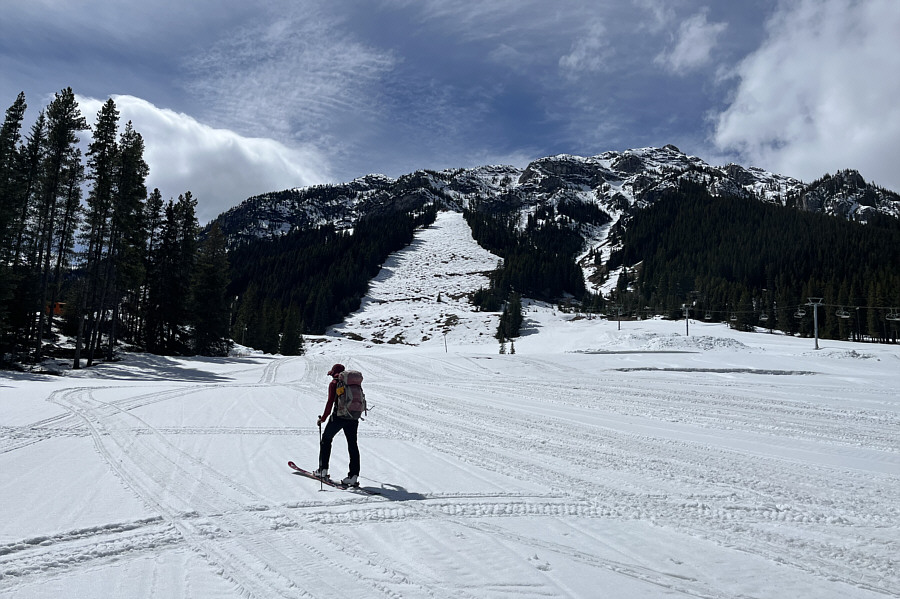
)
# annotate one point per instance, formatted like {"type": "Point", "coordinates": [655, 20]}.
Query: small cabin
{"type": "Point", "coordinates": [58, 308]}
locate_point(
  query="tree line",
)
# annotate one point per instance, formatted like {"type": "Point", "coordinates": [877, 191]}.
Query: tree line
{"type": "Point", "coordinates": [119, 265]}
{"type": "Point", "coordinates": [750, 264]}
{"type": "Point", "coordinates": [538, 259]}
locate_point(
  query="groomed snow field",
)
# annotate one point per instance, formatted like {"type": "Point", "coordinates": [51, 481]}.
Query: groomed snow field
{"type": "Point", "coordinates": [594, 462]}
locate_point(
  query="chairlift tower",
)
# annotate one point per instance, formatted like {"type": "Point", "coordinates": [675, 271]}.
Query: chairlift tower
{"type": "Point", "coordinates": [687, 310]}
{"type": "Point", "coordinates": [815, 302]}
{"type": "Point", "coordinates": [618, 309]}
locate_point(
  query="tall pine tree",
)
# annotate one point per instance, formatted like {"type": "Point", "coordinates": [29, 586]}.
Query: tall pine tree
{"type": "Point", "coordinates": [210, 314]}
{"type": "Point", "coordinates": [127, 231]}
{"type": "Point", "coordinates": [64, 122]}
{"type": "Point", "coordinates": [102, 155]}
{"type": "Point", "coordinates": [10, 198]}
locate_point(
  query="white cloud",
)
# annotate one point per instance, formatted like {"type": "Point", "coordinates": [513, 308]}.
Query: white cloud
{"type": "Point", "coordinates": [694, 44]}
{"type": "Point", "coordinates": [511, 57]}
{"type": "Point", "coordinates": [219, 167]}
{"type": "Point", "coordinates": [294, 72]}
{"type": "Point", "coordinates": [661, 12]}
{"type": "Point", "coordinates": [476, 19]}
{"type": "Point", "coordinates": [590, 52]}
{"type": "Point", "coordinates": [821, 93]}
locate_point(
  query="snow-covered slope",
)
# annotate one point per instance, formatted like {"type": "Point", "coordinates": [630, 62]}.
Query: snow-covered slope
{"type": "Point", "coordinates": [595, 462]}
{"type": "Point", "coordinates": [421, 295]}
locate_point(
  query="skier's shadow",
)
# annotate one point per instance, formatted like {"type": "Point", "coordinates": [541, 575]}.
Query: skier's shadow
{"type": "Point", "coordinates": [397, 493]}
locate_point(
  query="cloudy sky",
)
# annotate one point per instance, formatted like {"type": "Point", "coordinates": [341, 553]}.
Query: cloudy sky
{"type": "Point", "coordinates": [236, 98]}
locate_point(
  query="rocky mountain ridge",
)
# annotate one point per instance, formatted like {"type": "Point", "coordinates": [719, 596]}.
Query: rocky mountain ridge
{"type": "Point", "coordinates": [618, 183]}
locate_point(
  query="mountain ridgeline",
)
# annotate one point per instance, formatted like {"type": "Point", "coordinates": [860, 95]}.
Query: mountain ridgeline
{"type": "Point", "coordinates": [638, 232]}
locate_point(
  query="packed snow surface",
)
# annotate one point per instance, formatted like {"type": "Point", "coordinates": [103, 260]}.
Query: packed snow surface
{"type": "Point", "coordinates": [594, 462]}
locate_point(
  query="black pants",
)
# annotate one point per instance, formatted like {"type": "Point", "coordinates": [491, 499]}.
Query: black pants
{"type": "Point", "coordinates": [334, 426]}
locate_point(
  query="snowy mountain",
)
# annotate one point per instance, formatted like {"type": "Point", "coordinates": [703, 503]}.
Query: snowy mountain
{"type": "Point", "coordinates": [615, 182]}
{"type": "Point", "coordinates": [846, 194]}
{"type": "Point", "coordinates": [572, 216]}
{"type": "Point", "coordinates": [645, 461]}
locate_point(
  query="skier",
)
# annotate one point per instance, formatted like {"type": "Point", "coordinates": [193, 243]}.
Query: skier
{"type": "Point", "coordinates": [335, 425]}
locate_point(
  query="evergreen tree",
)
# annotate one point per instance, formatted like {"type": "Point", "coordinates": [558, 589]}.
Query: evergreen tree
{"type": "Point", "coordinates": [127, 234]}
{"type": "Point", "coordinates": [873, 319]}
{"type": "Point", "coordinates": [22, 273]}
{"type": "Point", "coordinates": [64, 121]}
{"type": "Point", "coordinates": [211, 305]}
{"type": "Point", "coordinates": [511, 318]}
{"type": "Point", "coordinates": [268, 329]}
{"type": "Point", "coordinates": [747, 317]}
{"type": "Point", "coordinates": [10, 198]}
{"type": "Point", "coordinates": [102, 156]}
{"type": "Point", "coordinates": [30, 163]}
{"type": "Point", "coordinates": [10, 138]}
{"type": "Point", "coordinates": [152, 229]}
{"type": "Point", "coordinates": [293, 344]}
{"type": "Point", "coordinates": [784, 319]}
{"type": "Point", "coordinates": [171, 290]}
{"type": "Point", "coordinates": [70, 217]}
{"type": "Point", "coordinates": [244, 320]}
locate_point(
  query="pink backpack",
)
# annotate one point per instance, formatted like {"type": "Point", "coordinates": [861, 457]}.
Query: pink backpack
{"type": "Point", "coordinates": [351, 400]}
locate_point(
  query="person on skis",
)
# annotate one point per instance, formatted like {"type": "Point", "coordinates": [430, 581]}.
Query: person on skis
{"type": "Point", "coordinates": [336, 424]}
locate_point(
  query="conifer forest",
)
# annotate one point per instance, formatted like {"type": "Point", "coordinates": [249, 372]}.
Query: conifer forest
{"type": "Point", "coordinates": [752, 264]}
{"type": "Point", "coordinates": [86, 250]}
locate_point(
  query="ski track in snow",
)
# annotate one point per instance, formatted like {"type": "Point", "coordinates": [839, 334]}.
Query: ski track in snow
{"type": "Point", "coordinates": [759, 505]}
{"type": "Point", "coordinates": [743, 498]}
{"type": "Point", "coordinates": [227, 524]}
{"type": "Point", "coordinates": [216, 517]}
{"type": "Point", "coordinates": [751, 460]}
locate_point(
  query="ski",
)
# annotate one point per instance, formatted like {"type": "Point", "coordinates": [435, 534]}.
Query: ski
{"type": "Point", "coordinates": [331, 483]}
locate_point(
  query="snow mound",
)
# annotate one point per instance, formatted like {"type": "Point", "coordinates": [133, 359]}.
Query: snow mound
{"type": "Point", "coordinates": [702, 343]}
{"type": "Point", "coordinates": [844, 354]}
{"type": "Point", "coordinates": [653, 342]}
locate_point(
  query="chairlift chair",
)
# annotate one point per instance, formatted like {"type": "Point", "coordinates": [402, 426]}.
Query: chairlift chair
{"type": "Point", "coordinates": [763, 317]}
{"type": "Point", "coordinates": [893, 315]}
{"type": "Point", "coordinates": [800, 313]}
{"type": "Point", "coordinates": [841, 313]}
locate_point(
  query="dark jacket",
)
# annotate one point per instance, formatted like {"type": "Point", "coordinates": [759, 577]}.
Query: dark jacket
{"type": "Point", "coordinates": [332, 396]}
